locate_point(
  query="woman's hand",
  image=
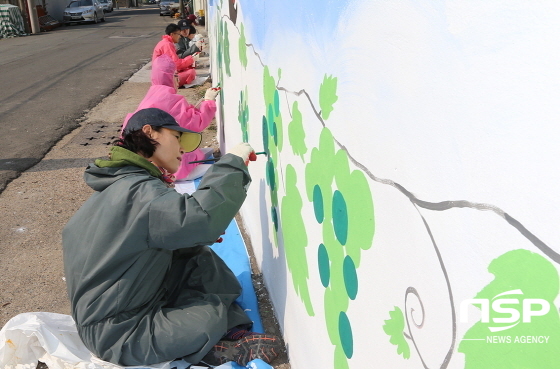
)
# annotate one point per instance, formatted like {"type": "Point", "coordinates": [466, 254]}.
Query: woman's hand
{"type": "Point", "coordinates": [211, 93]}
{"type": "Point", "coordinates": [245, 152]}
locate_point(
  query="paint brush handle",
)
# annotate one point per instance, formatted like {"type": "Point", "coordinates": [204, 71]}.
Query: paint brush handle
{"type": "Point", "coordinates": [216, 159]}
{"type": "Point", "coordinates": [204, 161]}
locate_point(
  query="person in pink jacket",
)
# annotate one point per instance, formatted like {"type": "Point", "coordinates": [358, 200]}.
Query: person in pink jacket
{"type": "Point", "coordinates": [163, 95]}
{"type": "Point", "coordinates": [166, 46]}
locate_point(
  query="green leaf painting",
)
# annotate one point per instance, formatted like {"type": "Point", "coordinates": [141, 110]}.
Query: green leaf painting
{"type": "Point", "coordinates": [343, 205]}
{"type": "Point", "coordinates": [296, 133]}
{"type": "Point", "coordinates": [242, 47]}
{"type": "Point", "coordinates": [295, 238]}
{"type": "Point", "coordinates": [327, 96]}
{"type": "Point", "coordinates": [394, 328]}
{"type": "Point", "coordinates": [526, 283]}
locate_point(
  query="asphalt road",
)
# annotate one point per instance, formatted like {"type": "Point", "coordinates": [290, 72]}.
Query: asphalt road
{"type": "Point", "coordinates": [48, 81]}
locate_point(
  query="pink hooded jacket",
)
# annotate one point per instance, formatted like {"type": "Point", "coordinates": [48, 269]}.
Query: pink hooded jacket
{"type": "Point", "coordinates": [167, 47]}
{"type": "Point", "coordinates": [163, 95]}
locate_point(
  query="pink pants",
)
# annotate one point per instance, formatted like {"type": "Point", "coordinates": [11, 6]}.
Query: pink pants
{"type": "Point", "coordinates": [186, 76]}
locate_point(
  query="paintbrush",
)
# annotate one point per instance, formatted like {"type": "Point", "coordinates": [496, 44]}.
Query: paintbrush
{"type": "Point", "coordinates": [216, 159]}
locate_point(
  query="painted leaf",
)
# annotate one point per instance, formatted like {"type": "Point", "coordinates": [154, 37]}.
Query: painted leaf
{"type": "Point", "coordinates": [295, 238]}
{"type": "Point", "coordinates": [394, 328]}
{"type": "Point", "coordinates": [242, 47]}
{"type": "Point", "coordinates": [327, 95]}
{"type": "Point", "coordinates": [296, 132]}
{"type": "Point", "coordinates": [529, 341]}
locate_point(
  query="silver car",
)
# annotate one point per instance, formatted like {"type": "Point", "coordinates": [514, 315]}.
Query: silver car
{"type": "Point", "coordinates": [168, 7]}
{"type": "Point", "coordinates": [107, 5]}
{"type": "Point", "coordinates": [84, 11]}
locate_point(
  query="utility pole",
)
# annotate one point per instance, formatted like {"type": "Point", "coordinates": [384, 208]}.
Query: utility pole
{"type": "Point", "coordinates": [181, 9]}
{"type": "Point", "coordinates": [33, 18]}
{"type": "Point", "coordinates": [22, 5]}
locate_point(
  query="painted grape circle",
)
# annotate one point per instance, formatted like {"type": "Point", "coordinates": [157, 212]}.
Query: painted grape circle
{"type": "Point", "coordinates": [350, 277]}
{"type": "Point", "coordinates": [324, 265]}
{"type": "Point", "coordinates": [274, 215]}
{"type": "Point", "coordinates": [270, 174]}
{"type": "Point", "coordinates": [265, 133]}
{"type": "Point", "coordinates": [340, 217]}
{"type": "Point", "coordinates": [318, 204]}
{"type": "Point", "coordinates": [345, 333]}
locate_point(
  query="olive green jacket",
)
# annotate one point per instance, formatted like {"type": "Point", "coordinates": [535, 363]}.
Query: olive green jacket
{"type": "Point", "coordinates": [119, 246]}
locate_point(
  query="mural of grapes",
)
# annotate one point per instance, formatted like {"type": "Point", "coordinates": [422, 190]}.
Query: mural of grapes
{"type": "Point", "coordinates": [341, 199]}
{"type": "Point", "coordinates": [272, 131]}
{"type": "Point", "coordinates": [343, 204]}
{"type": "Point", "coordinates": [343, 207]}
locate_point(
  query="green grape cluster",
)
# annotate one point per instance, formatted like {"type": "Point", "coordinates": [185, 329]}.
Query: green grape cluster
{"type": "Point", "coordinates": [272, 131]}
{"type": "Point", "coordinates": [341, 200]}
{"type": "Point", "coordinates": [223, 48]}
{"type": "Point", "coordinates": [243, 114]}
{"type": "Point", "coordinates": [343, 205]}
{"type": "Point", "coordinates": [226, 49]}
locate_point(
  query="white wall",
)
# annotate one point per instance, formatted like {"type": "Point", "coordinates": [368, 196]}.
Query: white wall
{"type": "Point", "coordinates": [440, 151]}
{"type": "Point", "coordinates": [55, 8]}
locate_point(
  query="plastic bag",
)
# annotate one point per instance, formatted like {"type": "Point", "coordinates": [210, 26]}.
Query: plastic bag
{"type": "Point", "coordinates": [53, 339]}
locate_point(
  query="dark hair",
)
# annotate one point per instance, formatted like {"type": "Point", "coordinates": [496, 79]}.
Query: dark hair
{"type": "Point", "coordinates": [192, 30]}
{"type": "Point", "coordinates": [172, 27]}
{"type": "Point", "coordinates": [139, 143]}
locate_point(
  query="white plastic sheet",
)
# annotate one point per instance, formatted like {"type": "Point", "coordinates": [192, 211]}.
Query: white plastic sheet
{"type": "Point", "coordinates": [53, 339]}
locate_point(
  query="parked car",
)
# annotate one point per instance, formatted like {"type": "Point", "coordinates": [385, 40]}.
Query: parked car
{"type": "Point", "coordinates": [107, 5]}
{"type": "Point", "coordinates": [83, 11]}
{"type": "Point", "coordinates": [168, 7]}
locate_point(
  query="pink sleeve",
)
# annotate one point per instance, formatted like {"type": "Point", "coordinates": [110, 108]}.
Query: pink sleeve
{"type": "Point", "coordinates": [192, 118]}
{"type": "Point", "coordinates": [182, 64]}
{"type": "Point", "coordinates": [185, 167]}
